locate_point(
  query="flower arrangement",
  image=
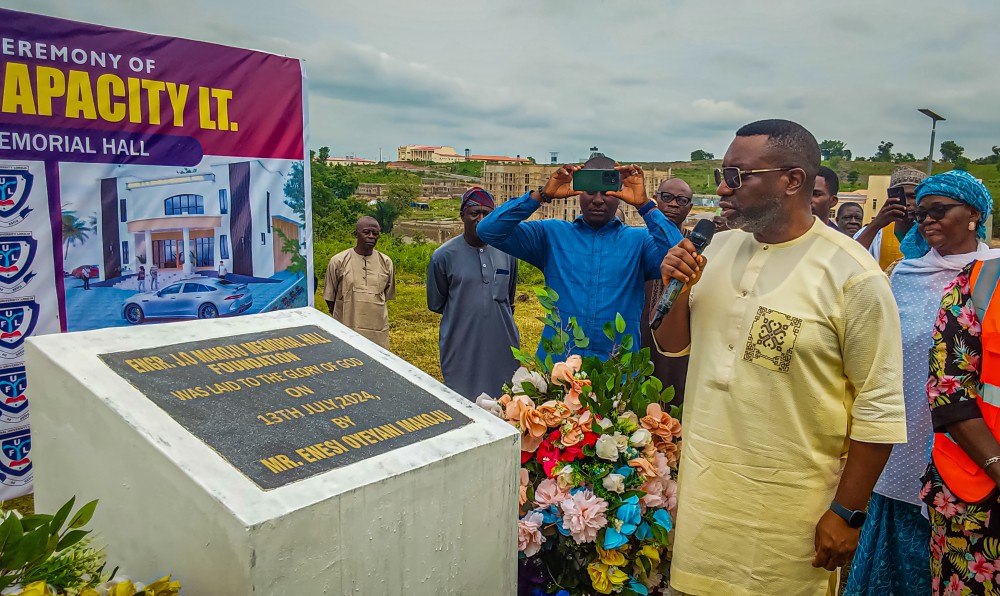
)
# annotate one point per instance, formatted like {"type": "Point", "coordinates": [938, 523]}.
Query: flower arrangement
{"type": "Point", "coordinates": [598, 486]}
{"type": "Point", "coordinates": [50, 555]}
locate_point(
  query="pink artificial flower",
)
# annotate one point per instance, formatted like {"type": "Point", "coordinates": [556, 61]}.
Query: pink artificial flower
{"type": "Point", "coordinates": [653, 488]}
{"type": "Point", "coordinates": [574, 428]}
{"type": "Point", "coordinates": [583, 515]}
{"type": "Point", "coordinates": [549, 493]}
{"type": "Point", "coordinates": [563, 372]}
{"type": "Point", "coordinates": [981, 567]}
{"type": "Point", "coordinates": [670, 495]}
{"type": "Point", "coordinates": [529, 535]}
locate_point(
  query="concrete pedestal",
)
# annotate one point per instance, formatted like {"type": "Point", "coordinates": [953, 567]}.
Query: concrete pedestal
{"type": "Point", "coordinates": [433, 517]}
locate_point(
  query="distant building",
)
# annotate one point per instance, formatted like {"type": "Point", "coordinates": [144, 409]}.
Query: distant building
{"type": "Point", "coordinates": [435, 153]}
{"type": "Point", "coordinates": [350, 161]}
{"type": "Point", "coordinates": [445, 154]}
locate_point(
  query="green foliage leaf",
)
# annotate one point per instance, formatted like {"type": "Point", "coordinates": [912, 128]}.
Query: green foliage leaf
{"type": "Point", "coordinates": [578, 333]}
{"type": "Point", "coordinates": [541, 292]}
{"type": "Point", "coordinates": [595, 427]}
{"type": "Point", "coordinates": [619, 323]}
{"type": "Point", "coordinates": [71, 538]}
{"type": "Point", "coordinates": [60, 517]}
{"type": "Point", "coordinates": [32, 522]}
{"type": "Point", "coordinates": [582, 343]}
{"type": "Point", "coordinates": [627, 342]}
{"type": "Point", "coordinates": [7, 580]}
{"type": "Point", "coordinates": [83, 516]}
{"type": "Point", "coordinates": [609, 331]}
{"type": "Point", "coordinates": [553, 295]}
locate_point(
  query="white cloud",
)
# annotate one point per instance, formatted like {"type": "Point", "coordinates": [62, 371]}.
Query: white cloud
{"type": "Point", "coordinates": [653, 81]}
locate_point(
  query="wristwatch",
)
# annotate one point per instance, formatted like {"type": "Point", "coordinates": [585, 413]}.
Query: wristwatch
{"type": "Point", "coordinates": [544, 197]}
{"type": "Point", "coordinates": [854, 518]}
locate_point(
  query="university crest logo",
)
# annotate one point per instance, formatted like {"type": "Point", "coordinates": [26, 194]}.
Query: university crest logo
{"type": "Point", "coordinates": [15, 464]}
{"type": "Point", "coordinates": [18, 318]}
{"type": "Point", "coordinates": [13, 403]}
{"type": "Point", "coordinates": [17, 252]}
{"type": "Point", "coordinates": [15, 187]}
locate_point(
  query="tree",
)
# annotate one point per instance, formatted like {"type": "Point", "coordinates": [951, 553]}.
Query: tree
{"type": "Point", "coordinates": [852, 176]}
{"type": "Point", "coordinates": [401, 195]}
{"type": "Point", "coordinates": [386, 214]}
{"type": "Point", "coordinates": [295, 190]}
{"type": "Point", "coordinates": [884, 152]}
{"type": "Point", "coordinates": [904, 157]}
{"type": "Point", "coordinates": [701, 155]}
{"type": "Point", "coordinates": [951, 151]}
{"type": "Point", "coordinates": [831, 148]}
{"type": "Point", "coordinates": [323, 155]}
{"type": "Point", "coordinates": [292, 247]}
{"type": "Point", "coordinates": [75, 231]}
{"type": "Point", "coordinates": [962, 163]}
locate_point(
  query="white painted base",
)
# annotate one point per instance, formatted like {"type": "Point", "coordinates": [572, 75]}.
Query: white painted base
{"type": "Point", "coordinates": [431, 518]}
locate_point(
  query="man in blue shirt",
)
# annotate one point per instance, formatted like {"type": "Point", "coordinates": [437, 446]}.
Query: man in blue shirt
{"type": "Point", "coordinates": [596, 264]}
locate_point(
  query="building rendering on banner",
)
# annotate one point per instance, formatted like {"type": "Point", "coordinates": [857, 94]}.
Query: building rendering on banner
{"type": "Point", "coordinates": [226, 212]}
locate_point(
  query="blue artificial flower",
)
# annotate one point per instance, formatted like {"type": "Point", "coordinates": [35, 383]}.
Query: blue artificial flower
{"type": "Point", "coordinates": [625, 471]}
{"type": "Point", "coordinates": [661, 517]}
{"type": "Point", "coordinates": [613, 539]}
{"type": "Point", "coordinates": [638, 587]}
{"type": "Point", "coordinates": [550, 514]}
{"type": "Point", "coordinates": [630, 515]}
{"type": "Point", "coordinates": [561, 528]}
{"type": "Point", "coordinates": [562, 593]}
{"type": "Point", "coordinates": [644, 532]}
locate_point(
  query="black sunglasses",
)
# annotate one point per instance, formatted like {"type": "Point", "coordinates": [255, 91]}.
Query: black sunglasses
{"type": "Point", "coordinates": [733, 176]}
{"type": "Point", "coordinates": [681, 200]}
{"type": "Point", "coordinates": [937, 212]}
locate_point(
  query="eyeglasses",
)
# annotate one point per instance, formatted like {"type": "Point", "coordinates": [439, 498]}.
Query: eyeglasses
{"type": "Point", "coordinates": [733, 177]}
{"type": "Point", "coordinates": [937, 212]}
{"type": "Point", "coordinates": [681, 200]}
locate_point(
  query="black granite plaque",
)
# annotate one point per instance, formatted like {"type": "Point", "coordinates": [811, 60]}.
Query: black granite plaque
{"type": "Point", "coordinates": [288, 404]}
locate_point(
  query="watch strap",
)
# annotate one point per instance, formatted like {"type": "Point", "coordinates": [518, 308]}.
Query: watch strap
{"type": "Point", "coordinates": [647, 208]}
{"type": "Point", "coordinates": [851, 516]}
{"type": "Point", "coordinates": [544, 197]}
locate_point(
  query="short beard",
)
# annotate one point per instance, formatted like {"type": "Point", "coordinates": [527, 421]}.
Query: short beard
{"type": "Point", "coordinates": [760, 220]}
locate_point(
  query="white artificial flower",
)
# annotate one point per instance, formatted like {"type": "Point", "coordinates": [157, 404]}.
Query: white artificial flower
{"type": "Point", "coordinates": [564, 478]}
{"type": "Point", "coordinates": [523, 375]}
{"type": "Point", "coordinates": [605, 423]}
{"type": "Point", "coordinates": [641, 438]}
{"type": "Point", "coordinates": [489, 404]}
{"type": "Point", "coordinates": [614, 483]}
{"type": "Point", "coordinates": [630, 417]}
{"type": "Point", "coordinates": [607, 448]}
{"type": "Point", "coordinates": [621, 442]}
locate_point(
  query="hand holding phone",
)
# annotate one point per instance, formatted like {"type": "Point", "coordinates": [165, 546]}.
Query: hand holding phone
{"type": "Point", "coordinates": [597, 180]}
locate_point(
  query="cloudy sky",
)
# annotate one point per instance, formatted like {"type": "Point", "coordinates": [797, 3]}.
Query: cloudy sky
{"type": "Point", "coordinates": [645, 80]}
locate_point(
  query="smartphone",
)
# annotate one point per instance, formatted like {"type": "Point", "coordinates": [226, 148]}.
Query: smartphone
{"type": "Point", "coordinates": [897, 194]}
{"type": "Point", "coordinates": [597, 180]}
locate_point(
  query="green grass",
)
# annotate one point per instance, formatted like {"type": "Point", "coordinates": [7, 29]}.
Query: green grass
{"type": "Point", "coordinates": [439, 209]}
{"type": "Point", "coordinates": [414, 330]}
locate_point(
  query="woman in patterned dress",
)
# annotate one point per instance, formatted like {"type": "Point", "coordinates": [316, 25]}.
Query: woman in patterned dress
{"type": "Point", "coordinates": [892, 555]}
{"type": "Point", "coordinates": [965, 537]}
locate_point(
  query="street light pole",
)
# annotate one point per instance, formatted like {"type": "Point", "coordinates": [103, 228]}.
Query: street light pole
{"type": "Point", "coordinates": [934, 120]}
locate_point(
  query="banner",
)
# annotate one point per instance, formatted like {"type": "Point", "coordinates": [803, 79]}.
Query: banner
{"type": "Point", "coordinates": [143, 179]}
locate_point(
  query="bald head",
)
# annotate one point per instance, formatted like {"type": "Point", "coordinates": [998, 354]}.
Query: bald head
{"type": "Point", "coordinates": [366, 232]}
{"type": "Point", "coordinates": [366, 220]}
{"type": "Point", "coordinates": [669, 196]}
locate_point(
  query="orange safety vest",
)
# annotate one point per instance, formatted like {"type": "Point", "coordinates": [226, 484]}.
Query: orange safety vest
{"type": "Point", "coordinates": [964, 477]}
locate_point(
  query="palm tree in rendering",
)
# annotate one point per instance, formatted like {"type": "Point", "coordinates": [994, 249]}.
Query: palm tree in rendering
{"type": "Point", "coordinates": [75, 231]}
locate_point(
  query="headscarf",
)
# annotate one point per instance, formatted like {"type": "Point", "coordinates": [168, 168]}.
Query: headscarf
{"type": "Point", "coordinates": [958, 185]}
{"type": "Point", "coordinates": [477, 196]}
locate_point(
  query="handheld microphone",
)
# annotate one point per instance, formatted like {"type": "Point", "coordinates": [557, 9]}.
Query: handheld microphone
{"type": "Point", "coordinates": [700, 237]}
